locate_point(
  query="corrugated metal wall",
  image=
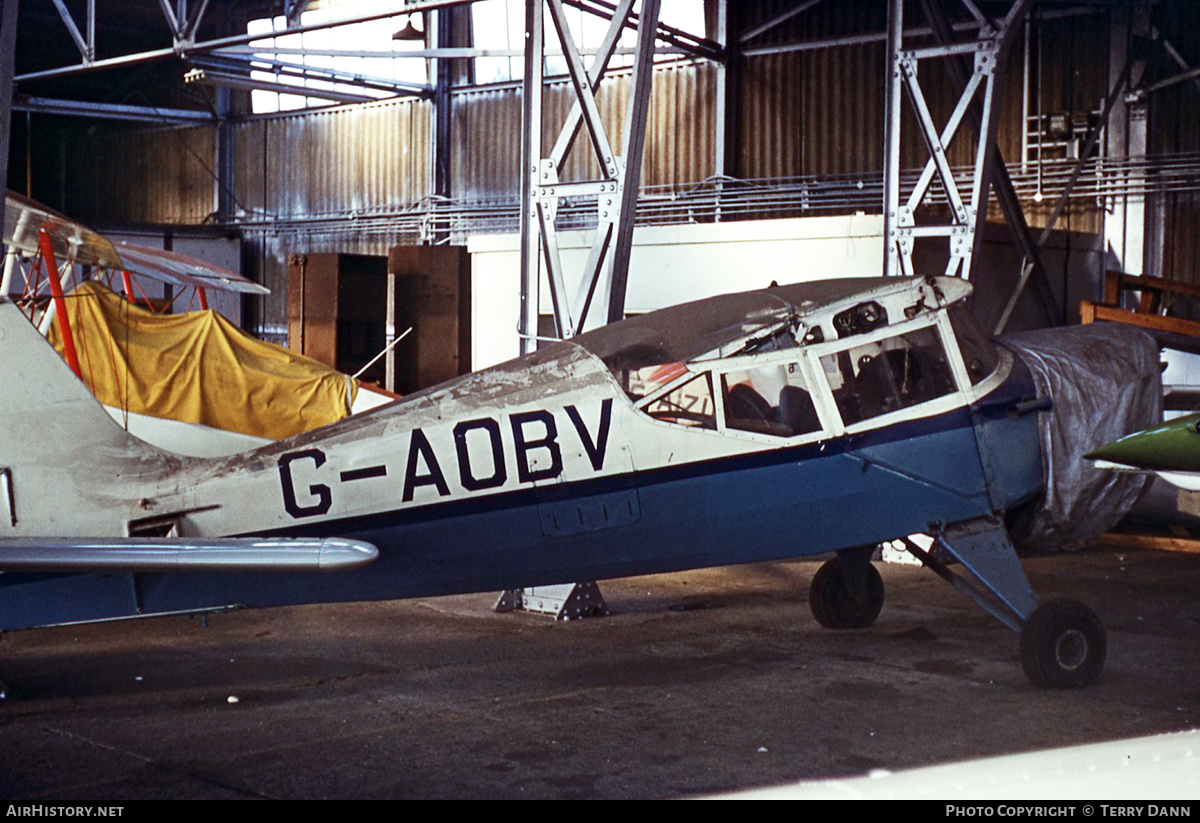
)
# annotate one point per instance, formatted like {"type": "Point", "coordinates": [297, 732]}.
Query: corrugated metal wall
{"type": "Point", "coordinates": [679, 136]}
{"type": "Point", "coordinates": [336, 161]}
{"type": "Point", "coordinates": [801, 113]}
{"type": "Point", "coordinates": [156, 176]}
{"type": "Point", "coordinates": [814, 111]}
{"type": "Point", "coordinates": [1174, 113]}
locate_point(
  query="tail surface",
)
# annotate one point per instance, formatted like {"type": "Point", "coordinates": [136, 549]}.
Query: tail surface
{"type": "Point", "coordinates": [62, 458]}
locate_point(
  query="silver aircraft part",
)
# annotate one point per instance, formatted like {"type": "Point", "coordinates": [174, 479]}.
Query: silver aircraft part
{"type": "Point", "coordinates": [151, 554]}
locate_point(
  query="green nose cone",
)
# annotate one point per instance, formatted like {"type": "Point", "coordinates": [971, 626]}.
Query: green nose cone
{"type": "Point", "coordinates": [1173, 446]}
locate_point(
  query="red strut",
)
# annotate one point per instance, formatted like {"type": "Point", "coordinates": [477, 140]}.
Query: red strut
{"type": "Point", "coordinates": [60, 303]}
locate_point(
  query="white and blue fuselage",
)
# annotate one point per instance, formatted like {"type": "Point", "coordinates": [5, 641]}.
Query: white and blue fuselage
{"type": "Point", "coordinates": [778, 424]}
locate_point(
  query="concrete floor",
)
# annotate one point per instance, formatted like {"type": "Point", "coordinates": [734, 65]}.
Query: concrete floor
{"type": "Point", "coordinates": [700, 682]}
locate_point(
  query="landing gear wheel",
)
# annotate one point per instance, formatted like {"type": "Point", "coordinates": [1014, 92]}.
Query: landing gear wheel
{"type": "Point", "coordinates": [833, 603]}
{"type": "Point", "coordinates": [1063, 645]}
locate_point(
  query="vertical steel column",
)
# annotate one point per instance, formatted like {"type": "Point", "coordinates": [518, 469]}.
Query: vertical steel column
{"type": "Point", "coordinates": [725, 140]}
{"type": "Point", "coordinates": [224, 182]}
{"type": "Point", "coordinates": [891, 140]}
{"type": "Point", "coordinates": [1001, 182]}
{"type": "Point", "coordinates": [8, 49]}
{"type": "Point", "coordinates": [635, 141]}
{"type": "Point", "coordinates": [988, 50]}
{"type": "Point", "coordinates": [224, 160]}
{"type": "Point", "coordinates": [1125, 223]}
{"type": "Point", "coordinates": [1026, 69]}
{"type": "Point", "coordinates": [531, 153]}
{"type": "Point", "coordinates": [442, 102]}
{"type": "Point", "coordinates": [602, 286]}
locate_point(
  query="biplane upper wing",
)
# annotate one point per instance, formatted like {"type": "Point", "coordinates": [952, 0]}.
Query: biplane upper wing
{"type": "Point", "coordinates": [181, 270]}
{"type": "Point", "coordinates": [24, 219]}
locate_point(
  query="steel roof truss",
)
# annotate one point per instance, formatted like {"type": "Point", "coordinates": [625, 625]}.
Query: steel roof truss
{"type": "Point", "coordinates": [85, 50]}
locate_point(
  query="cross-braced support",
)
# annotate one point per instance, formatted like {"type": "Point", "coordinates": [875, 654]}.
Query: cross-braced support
{"type": "Point", "coordinates": [907, 214]}
{"type": "Point", "coordinates": [601, 289]}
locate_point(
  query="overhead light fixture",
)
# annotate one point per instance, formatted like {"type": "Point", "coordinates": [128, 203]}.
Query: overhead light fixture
{"type": "Point", "coordinates": [409, 32]}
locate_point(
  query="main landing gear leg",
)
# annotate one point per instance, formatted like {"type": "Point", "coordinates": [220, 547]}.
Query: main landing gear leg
{"type": "Point", "coordinates": [1063, 643]}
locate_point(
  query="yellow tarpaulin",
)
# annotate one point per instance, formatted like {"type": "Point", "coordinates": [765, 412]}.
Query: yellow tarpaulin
{"type": "Point", "coordinates": [199, 368]}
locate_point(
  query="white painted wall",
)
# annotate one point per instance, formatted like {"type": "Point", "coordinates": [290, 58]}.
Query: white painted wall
{"type": "Point", "coordinates": [673, 264]}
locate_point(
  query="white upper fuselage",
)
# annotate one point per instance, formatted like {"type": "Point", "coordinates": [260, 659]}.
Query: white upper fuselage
{"type": "Point", "coordinates": [556, 417]}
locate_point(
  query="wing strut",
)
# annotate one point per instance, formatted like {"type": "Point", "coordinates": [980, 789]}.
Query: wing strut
{"type": "Point", "coordinates": [60, 303]}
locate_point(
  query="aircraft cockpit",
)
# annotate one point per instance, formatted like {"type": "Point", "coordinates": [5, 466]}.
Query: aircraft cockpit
{"type": "Point", "coordinates": [803, 361]}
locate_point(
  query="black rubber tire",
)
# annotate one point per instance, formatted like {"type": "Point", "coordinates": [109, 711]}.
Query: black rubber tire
{"type": "Point", "coordinates": [1063, 645]}
{"type": "Point", "coordinates": [832, 604]}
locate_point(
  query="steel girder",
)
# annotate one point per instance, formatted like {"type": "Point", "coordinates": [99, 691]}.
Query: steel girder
{"type": "Point", "coordinates": [601, 289]}
{"type": "Point", "coordinates": [8, 49]}
{"type": "Point", "coordinates": [904, 219]}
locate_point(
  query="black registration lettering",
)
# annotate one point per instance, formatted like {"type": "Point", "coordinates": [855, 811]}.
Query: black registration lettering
{"type": "Point", "coordinates": [465, 472]}
{"type": "Point", "coordinates": [549, 442]}
{"type": "Point", "coordinates": [324, 498]}
{"type": "Point", "coordinates": [597, 446]}
{"type": "Point", "coordinates": [420, 450]}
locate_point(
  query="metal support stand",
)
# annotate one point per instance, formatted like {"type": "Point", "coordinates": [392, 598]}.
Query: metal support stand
{"type": "Point", "coordinates": [568, 601]}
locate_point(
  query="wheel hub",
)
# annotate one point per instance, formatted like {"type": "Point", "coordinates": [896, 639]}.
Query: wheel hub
{"type": "Point", "coordinates": [1071, 649]}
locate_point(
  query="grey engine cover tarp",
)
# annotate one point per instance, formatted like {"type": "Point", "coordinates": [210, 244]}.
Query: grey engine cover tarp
{"type": "Point", "coordinates": [1105, 381]}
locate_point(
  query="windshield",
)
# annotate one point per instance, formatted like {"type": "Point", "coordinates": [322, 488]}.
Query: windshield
{"type": "Point", "coordinates": [979, 353]}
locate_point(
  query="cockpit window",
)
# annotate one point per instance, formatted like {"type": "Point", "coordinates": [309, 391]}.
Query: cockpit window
{"type": "Point", "coordinates": [647, 380]}
{"type": "Point", "coordinates": [979, 353]}
{"type": "Point", "coordinates": [772, 399]}
{"type": "Point", "coordinates": [888, 375]}
{"type": "Point", "coordinates": [690, 404]}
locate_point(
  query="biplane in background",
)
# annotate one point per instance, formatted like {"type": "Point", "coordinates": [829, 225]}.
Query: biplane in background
{"type": "Point", "coordinates": [802, 419]}
{"type": "Point", "coordinates": [190, 382]}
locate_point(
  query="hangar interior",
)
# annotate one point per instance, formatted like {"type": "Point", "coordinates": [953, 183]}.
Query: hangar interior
{"type": "Point", "coordinates": [500, 174]}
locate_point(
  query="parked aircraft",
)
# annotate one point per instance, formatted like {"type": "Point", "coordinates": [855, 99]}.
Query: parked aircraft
{"type": "Point", "coordinates": [174, 380]}
{"type": "Point", "coordinates": [1172, 451]}
{"type": "Point", "coordinates": [818, 417]}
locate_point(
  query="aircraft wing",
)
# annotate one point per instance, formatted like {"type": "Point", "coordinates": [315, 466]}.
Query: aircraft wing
{"type": "Point", "coordinates": [24, 218]}
{"type": "Point", "coordinates": [181, 270]}
{"type": "Point", "coordinates": [177, 554]}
